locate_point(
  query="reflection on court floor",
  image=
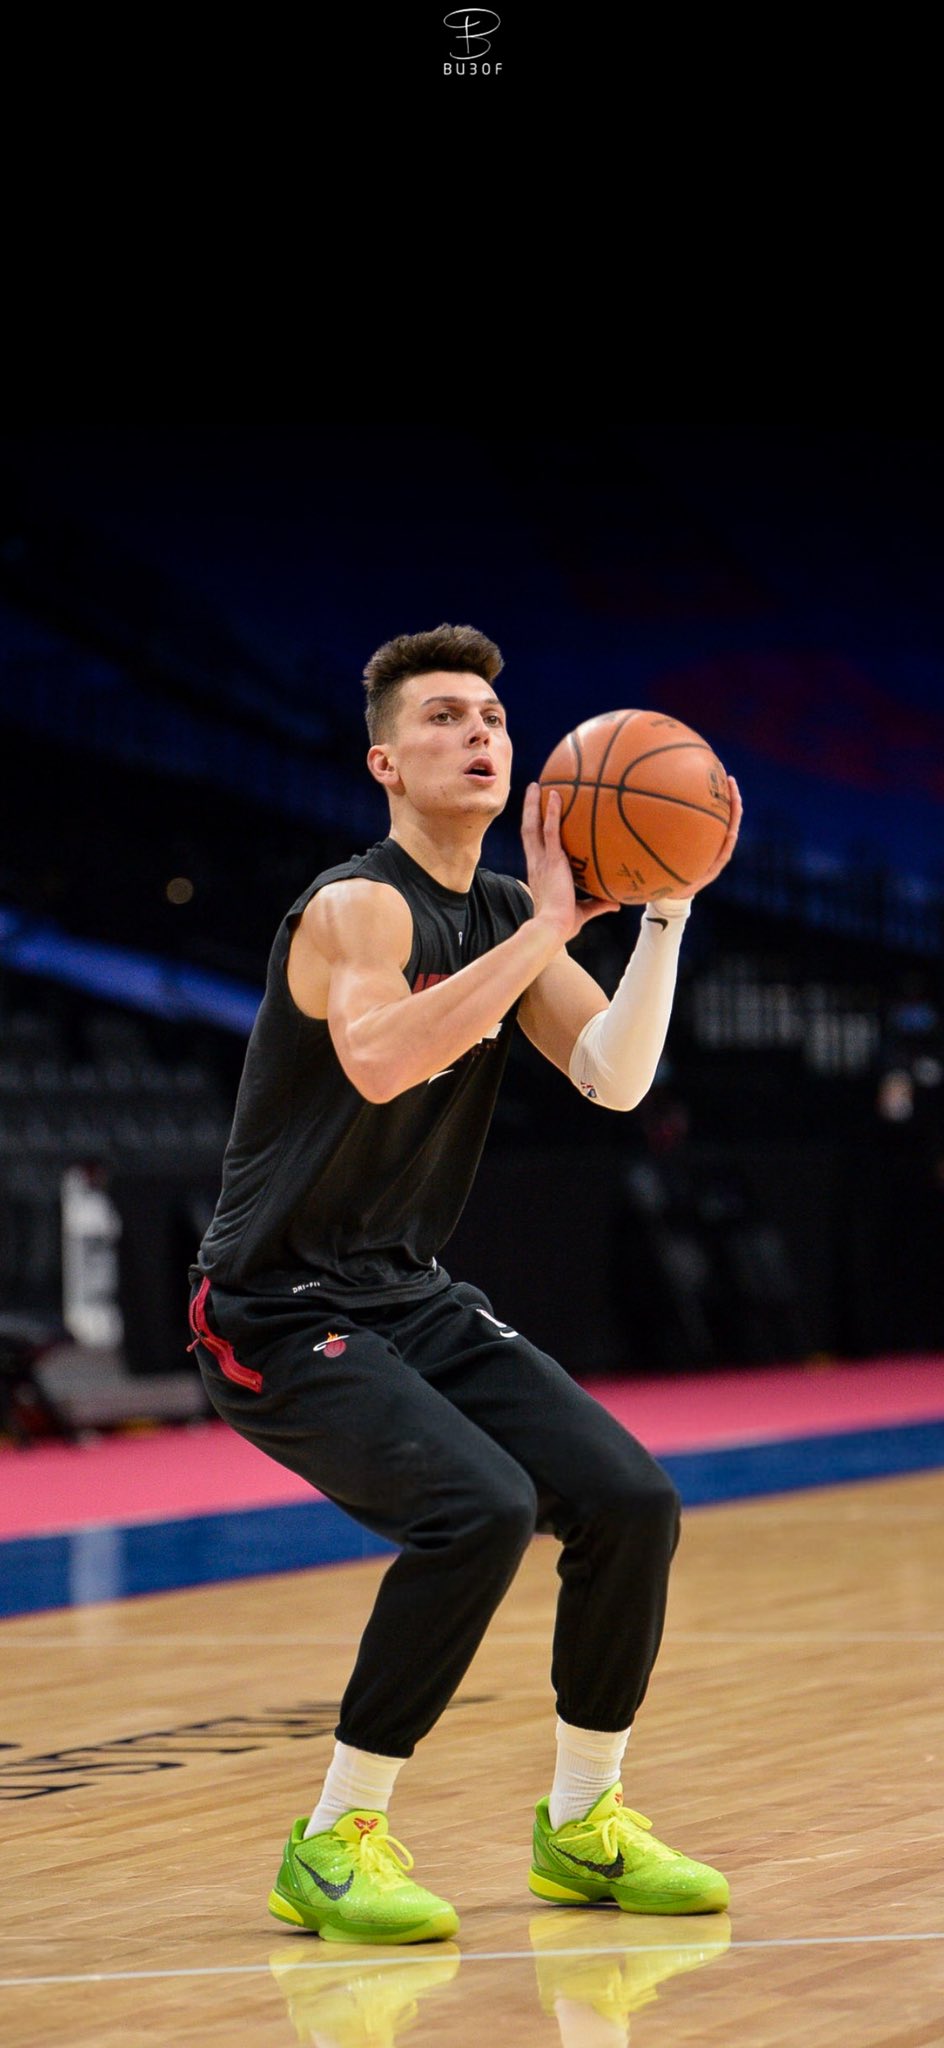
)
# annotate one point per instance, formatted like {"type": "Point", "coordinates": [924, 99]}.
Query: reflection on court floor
{"type": "Point", "coordinates": [592, 1971]}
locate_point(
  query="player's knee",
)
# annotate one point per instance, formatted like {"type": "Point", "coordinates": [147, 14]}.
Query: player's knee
{"type": "Point", "coordinates": [644, 1507]}
{"type": "Point", "coordinates": [665, 1511]}
{"type": "Point", "coordinates": [509, 1516]}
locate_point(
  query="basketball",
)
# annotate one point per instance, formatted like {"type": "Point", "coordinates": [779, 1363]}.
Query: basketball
{"type": "Point", "coordinates": [644, 804]}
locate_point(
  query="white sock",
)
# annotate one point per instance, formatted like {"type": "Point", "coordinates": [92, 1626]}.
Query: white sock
{"type": "Point", "coordinates": [356, 1777]}
{"type": "Point", "coordinates": [588, 1763]}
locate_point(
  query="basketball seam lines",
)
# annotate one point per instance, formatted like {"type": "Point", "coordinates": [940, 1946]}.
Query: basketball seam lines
{"type": "Point", "coordinates": [625, 789]}
{"type": "Point", "coordinates": [659, 796]}
{"type": "Point", "coordinates": [653, 855]}
{"type": "Point", "coordinates": [670, 747]}
{"type": "Point", "coordinates": [596, 793]}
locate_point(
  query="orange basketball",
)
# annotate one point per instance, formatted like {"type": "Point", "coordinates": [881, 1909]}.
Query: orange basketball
{"type": "Point", "coordinates": [644, 804]}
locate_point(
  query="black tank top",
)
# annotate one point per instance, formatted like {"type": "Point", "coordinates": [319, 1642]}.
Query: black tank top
{"type": "Point", "coordinates": [324, 1190]}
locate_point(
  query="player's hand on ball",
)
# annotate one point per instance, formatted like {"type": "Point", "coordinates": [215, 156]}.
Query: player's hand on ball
{"type": "Point", "coordinates": [550, 879]}
{"type": "Point", "coordinates": [680, 893]}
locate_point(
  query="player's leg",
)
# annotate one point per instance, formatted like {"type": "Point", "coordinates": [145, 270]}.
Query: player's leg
{"type": "Point", "coordinates": [616, 1513]}
{"type": "Point", "coordinates": [335, 1402]}
{"type": "Point", "coordinates": [613, 1507]}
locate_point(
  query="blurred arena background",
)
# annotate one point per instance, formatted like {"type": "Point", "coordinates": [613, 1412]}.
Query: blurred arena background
{"type": "Point", "coordinates": [184, 616]}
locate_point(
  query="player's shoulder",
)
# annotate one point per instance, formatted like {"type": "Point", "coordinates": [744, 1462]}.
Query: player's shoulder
{"type": "Point", "coordinates": [357, 904]}
{"type": "Point", "coordinates": [332, 883]}
{"type": "Point", "coordinates": [353, 898]}
{"type": "Point", "coordinates": [357, 866]}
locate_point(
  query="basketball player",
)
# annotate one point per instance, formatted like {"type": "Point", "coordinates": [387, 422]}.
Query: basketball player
{"type": "Point", "coordinates": [330, 1336]}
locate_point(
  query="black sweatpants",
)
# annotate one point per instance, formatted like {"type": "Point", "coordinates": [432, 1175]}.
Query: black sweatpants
{"type": "Point", "coordinates": [438, 1427]}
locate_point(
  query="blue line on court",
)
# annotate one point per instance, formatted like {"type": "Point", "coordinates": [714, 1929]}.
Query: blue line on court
{"type": "Point", "coordinates": [113, 1561]}
{"type": "Point", "coordinates": [788, 1466]}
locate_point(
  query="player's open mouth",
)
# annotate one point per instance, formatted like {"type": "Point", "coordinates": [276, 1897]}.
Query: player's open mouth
{"type": "Point", "coordinates": [482, 767]}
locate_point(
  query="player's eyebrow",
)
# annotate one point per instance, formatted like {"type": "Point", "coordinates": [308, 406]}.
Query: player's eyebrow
{"type": "Point", "coordinates": [486, 704]}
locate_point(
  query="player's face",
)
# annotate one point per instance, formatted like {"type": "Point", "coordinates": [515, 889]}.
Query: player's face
{"type": "Point", "coordinates": [449, 751]}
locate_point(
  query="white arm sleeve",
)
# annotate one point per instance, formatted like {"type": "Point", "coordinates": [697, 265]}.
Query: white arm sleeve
{"type": "Point", "coordinates": [616, 1054]}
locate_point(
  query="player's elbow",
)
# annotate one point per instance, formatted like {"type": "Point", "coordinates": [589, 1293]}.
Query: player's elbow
{"type": "Point", "coordinates": [376, 1084]}
{"type": "Point", "coordinates": [627, 1095]}
{"type": "Point", "coordinates": [386, 1092]}
{"type": "Point", "coordinates": [365, 1073]}
{"type": "Point", "coordinates": [371, 1068]}
{"type": "Point", "coordinates": [607, 1089]}
{"type": "Point", "coordinates": [379, 1079]}
{"type": "Point", "coordinates": [609, 1068]}
{"type": "Point", "coordinates": [612, 1099]}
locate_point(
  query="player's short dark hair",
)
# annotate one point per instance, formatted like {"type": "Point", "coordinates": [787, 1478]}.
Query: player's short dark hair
{"type": "Point", "coordinates": [457, 649]}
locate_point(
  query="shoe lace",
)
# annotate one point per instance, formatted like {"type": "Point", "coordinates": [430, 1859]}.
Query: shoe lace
{"type": "Point", "coordinates": [619, 1830]}
{"type": "Point", "coordinates": [384, 1859]}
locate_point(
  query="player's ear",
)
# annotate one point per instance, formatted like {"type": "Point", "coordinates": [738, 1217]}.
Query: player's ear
{"type": "Point", "coordinates": [384, 769]}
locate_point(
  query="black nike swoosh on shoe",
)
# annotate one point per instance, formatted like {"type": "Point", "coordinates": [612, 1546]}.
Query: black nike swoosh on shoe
{"type": "Point", "coordinates": [331, 1891]}
{"type": "Point", "coordinates": [614, 1869]}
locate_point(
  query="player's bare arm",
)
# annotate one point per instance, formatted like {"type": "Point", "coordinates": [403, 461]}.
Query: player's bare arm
{"type": "Point", "coordinates": [346, 964]}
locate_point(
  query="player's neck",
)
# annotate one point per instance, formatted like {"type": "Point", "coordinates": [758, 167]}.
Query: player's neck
{"type": "Point", "coordinates": [448, 851]}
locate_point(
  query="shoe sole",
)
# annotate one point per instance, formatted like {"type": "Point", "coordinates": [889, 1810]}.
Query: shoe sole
{"type": "Point", "coordinates": [438, 1927]}
{"type": "Point", "coordinates": [567, 1895]}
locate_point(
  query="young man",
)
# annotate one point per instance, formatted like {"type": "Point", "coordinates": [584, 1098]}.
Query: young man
{"type": "Point", "coordinates": [329, 1335]}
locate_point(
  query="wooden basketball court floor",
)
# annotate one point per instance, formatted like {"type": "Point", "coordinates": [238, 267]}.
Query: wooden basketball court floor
{"type": "Point", "coordinates": [157, 1748]}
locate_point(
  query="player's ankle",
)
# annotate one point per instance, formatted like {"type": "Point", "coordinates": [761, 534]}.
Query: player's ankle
{"type": "Point", "coordinates": [357, 1778]}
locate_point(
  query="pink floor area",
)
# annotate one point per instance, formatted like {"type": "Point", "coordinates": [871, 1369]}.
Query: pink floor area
{"type": "Point", "coordinates": [197, 1470]}
{"type": "Point", "coordinates": [205, 1468]}
{"type": "Point", "coordinates": [749, 1407]}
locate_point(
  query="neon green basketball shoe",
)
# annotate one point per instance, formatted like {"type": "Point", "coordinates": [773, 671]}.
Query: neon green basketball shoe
{"type": "Point", "coordinates": [351, 1884]}
{"type": "Point", "coordinates": [611, 1854]}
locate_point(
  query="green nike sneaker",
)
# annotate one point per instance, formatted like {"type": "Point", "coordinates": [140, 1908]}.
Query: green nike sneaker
{"type": "Point", "coordinates": [611, 1854]}
{"type": "Point", "coordinates": [351, 1884]}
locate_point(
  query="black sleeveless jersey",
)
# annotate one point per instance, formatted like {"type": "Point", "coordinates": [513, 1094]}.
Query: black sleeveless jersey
{"type": "Point", "coordinates": [322, 1189]}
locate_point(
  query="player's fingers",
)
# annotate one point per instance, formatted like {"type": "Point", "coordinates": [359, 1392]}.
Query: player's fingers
{"type": "Point", "coordinates": [531, 813]}
{"type": "Point", "coordinates": [727, 848]}
{"type": "Point", "coordinates": [734, 822]}
{"type": "Point", "coordinates": [552, 818]}
{"type": "Point", "coordinates": [585, 911]}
